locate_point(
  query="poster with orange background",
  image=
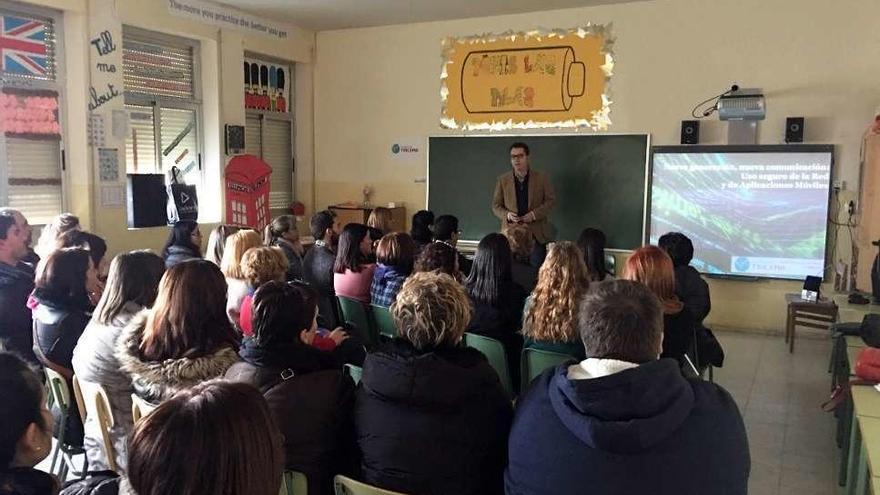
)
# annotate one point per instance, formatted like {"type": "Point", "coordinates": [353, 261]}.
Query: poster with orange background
{"type": "Point", "coordinates": [527, 80]}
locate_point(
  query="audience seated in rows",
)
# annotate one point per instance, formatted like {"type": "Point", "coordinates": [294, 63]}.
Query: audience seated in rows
{"type": "Point", "coordinates": [318, 265]}
{"type": "Point", "coordinates": [25, 429]}
{"type": "Point", "coordinates": [431, 415]}
{"type": "Point", "coordinates": [421, 229]}
{"type": "Point", "coordinates": [496, 299]}
{"type": "Point", "coordinates": [522, 244]}
{"type": "Point", "coordinates": [651, 266]}
{"type": "Point", "coordinates": [622, 420]}
{"type": "Point", "coordinates": [551, 314]}
{"type": "Point", "coordinates": [352, 272]}
{"type": "Point", "coordinates": [395, 256]}
{"type": "Point", "coordinates": [16, 285]}
{"type": "Point", "coordinates": [237, 286]}
{"type": "Point", "coordinates": [310, 397]}
{"type": "Point", "coordinates": [132, 286]}
{"type": "Point", "coordinates": [184, 339]}
{"type": "Point", "coordinates": [439, 257]}
{"type": "Point", "coordinates": [184, 243]}
{"type": "Point", "coordinates": [217, 242]}
{"type": "Point", "coordinates": [592, 243]}
{"type": "Point", "coordinates": [281, 233]}
{"type": "Point", "coordinates": [446, 231]}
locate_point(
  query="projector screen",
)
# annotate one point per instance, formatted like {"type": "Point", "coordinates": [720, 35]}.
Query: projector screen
{"type": "Point", "coordinates": [752, 211]}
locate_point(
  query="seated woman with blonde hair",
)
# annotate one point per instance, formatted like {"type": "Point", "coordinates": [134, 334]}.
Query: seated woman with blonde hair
{"type": "Point", "coordinates": [551, 313]}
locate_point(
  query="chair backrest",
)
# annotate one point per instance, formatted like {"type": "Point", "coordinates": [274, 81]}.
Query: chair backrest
{"type": "Point", "coordinates": [59, 392]}
{"type": "Point", "coordinates": [494, 351]}
{"type": "Point", "coordinates": [355, 372]}
{"type": "Point", "coordinates": [535, 361]}
{"type": "Point", "coordinates": [80, 401]}
{"type": "Point", "coordinates": [611, 263]}
{"type": "Point", "coordinates": [92, 400]}
{"type": "Point", "coordinates": [356, 312]}
{"type": "Point", "coordinates": [384, 322]}
{"type": "Point", "coordinates": [344, 485]}
{"type": "Point", "coordinates": [140, 408]}
{"type": "Point", "coordinates": [294, 483]}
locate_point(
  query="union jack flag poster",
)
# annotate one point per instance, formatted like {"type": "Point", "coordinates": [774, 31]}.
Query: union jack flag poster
{"type": "Point", "coordinates": [25, 47]}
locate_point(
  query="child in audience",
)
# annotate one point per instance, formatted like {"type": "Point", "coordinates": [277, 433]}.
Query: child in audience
{"type": "Point", "coordinates": [592, 243]}
{"type": "Point", "coordinates": [282, 233]}
{"type": "Point", "coordinates": [522, 243]}
{"type": "Point", "coordinates": [217, 242]}
{"type": "Point", "coordinates": [53, 230]}
{"type": "Point", "coordinates": [236, 245]}
{"type": "Point", "coordinates": [318, 264]}
{"type": "Point", "coordinates": [25, 430]}
{"type": "Point", "coordinates": [184, 339]}
{"type": "Point", "coordinates": [496, 299]}
{"type": "Point", "coordinates": [395, 254]}
{"type": "Point", "coordinates": [131, 287]}
{"type": "Point", "coordinates": [623, 421]}
{"type": "Point", "coordinates": [307, 392]}
{"type": "Point", "coordinates": [651, 266]}
{"type": "Point", "coordinates": [439, 257]}
{"type": "Point", "coordinates": [421, 231]}
{"type": "Point", "coordinates": [184, 243]}
{"type": "Point", "coordinates": [259, 265]}
{"type": "Point", "coordinates": [551, 317]}
{"type": "Point", "coordinates": [431, 415]}
{"type": "Point", "coordinates": [352, 274]}
{"type": "Point", "coordinates": [217, 437]}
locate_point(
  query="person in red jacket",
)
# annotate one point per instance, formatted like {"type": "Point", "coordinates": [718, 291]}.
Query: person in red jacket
{"type": "Point", "coordinates": [261, 265]}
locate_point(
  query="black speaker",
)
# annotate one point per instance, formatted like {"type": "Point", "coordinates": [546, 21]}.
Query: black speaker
{"type": "Point", "coordinates": [794, 130]}
{"type": "Point", "coordinates": [690, 132]}
{"type": "Point", "coordinates": [147, 200]}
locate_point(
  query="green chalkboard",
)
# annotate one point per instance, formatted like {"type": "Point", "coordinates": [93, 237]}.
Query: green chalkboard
{"type": "Point", "coordinates": [600, 182]}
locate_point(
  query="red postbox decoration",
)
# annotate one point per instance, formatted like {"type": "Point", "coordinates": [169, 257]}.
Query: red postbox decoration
{"type": "Point", "coordinates": [247, 191]}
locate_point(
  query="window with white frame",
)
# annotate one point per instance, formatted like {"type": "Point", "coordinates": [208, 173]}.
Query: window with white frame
{"type": "Point", "coordinates": [269, 124]}
{"type": "Point", "coordinates": [163, 103]}
{"type": "Point", "coordinates": [31, 163]}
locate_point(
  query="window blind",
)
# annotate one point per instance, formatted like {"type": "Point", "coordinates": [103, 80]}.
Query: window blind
{"type": "Point", "coordinates": [34, 177]}
{"type": "Point", "coordinates": [277, 152]}
{"type": "Point", "coordinates": [153, 68]}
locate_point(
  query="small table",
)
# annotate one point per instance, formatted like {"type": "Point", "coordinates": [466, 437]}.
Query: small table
{"type": "Point", "coordinates": [820, 314]}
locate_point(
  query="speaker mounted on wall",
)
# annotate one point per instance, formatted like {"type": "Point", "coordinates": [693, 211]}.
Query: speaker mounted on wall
{"type": "Point", "coordinates": [794, 130]}
{"type": "Point", "coordinates": [690, 132]}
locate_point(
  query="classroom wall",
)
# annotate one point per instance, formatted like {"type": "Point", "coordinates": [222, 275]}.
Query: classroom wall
{"type": "Point", "coordinates": [221, 58]}
{"type": "Point", "coordinates": [811, 57]}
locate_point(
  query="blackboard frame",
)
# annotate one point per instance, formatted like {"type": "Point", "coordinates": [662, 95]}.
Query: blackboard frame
{"type": "Point", "coordinates": [471, 243]}
{"type": "Point", "coordinates": [746, 148]}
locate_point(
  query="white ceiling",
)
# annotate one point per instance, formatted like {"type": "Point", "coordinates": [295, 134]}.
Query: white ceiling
{"type": "Point", "coordinates": [321, 15]}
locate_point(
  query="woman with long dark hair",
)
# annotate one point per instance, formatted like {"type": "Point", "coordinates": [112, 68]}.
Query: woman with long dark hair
{"type": "Point", "coordinates": [497, 300]}
{"type": "Point", "coordinates": [421, 231]}
{"type": "Point", "coordinates": [132, 286]}
{"type": "Point", "coordinates": [216, 437]}
{"type": "Point", "coordinates": [184, 243]}
{"type": "Point", "coordinates": [592, 243]}
{"type": "Point", "coordinates": [352, 273]}
{"type": "Point", "coordinates": [184, 339]}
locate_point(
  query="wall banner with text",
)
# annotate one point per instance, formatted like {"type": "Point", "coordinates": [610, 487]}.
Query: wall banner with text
{"type": "Point", "coordinates": [525, 80]}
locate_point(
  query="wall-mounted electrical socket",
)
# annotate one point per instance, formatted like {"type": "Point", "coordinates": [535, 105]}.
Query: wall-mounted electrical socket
{"type": "Point", "coordinates": [851, 207]}
{"type": "Point", "coordinates": [838, 185]}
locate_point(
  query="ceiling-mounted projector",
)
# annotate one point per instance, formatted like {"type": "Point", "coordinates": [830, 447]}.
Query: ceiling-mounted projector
{"type": "Point", "coordinates": [742, 104]}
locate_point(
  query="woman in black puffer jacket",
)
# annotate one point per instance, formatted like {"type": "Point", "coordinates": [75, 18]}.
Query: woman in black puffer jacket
{"type": "Point", "coordinates": [431, 416]}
